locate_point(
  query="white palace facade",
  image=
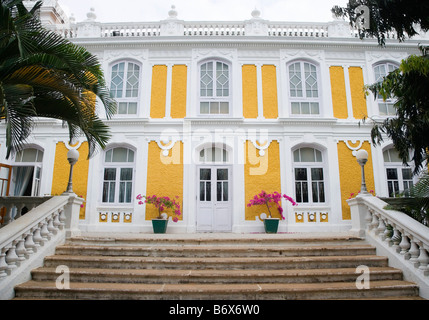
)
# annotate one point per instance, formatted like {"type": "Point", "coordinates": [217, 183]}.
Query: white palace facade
{"type": "Point", "coordinates": [214, 112]}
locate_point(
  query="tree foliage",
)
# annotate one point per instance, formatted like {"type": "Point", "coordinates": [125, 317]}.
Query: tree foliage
{"type": "Point", "coordinates": [45, 75]}
{"type": "Point", "coordinates": [409, 130]}
{"type": "Point", "coordinates": [399, 16]}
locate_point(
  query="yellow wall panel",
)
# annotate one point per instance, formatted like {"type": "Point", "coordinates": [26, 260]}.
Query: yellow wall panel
{"type": "Point", "coordinates": [261, 173]}
{"type": "Point", "coordinates": [159, 91]}
{"type": "Point", "coordinates": [62, 170]}
{"type": "Point", "coordinates": [178, 91]}
{"type": "Point", "coordinates": [250, 92]}
{"type": "Point", "coordinates": [164, 175]}
{"type": "Point", "coordinates": [350, 174]}
{"type": "Point", "coordinates": [357, 93]}
{"type": "Point", "coordinates": [339, 97]}
{"type": "Point", "coordinates": [269, 92]}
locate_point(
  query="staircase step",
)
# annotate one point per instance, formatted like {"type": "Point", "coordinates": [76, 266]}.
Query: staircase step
{"type": "Point", "coordinates": [131, 262]}
{"type": "Point", "coordinates": [333, 290]}
{"type": "Point", "coordinates": [216, 239]}
{"type": "Point", "coordinates": [213, 266]}
{"type": "Point", "coordinates": [215, 276]}
{"type": "Point", "coordinates": [216, 251]}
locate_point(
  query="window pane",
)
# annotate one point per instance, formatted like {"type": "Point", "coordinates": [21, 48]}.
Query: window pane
{"type": "Point", "coordinates": [305, 108]}
{"type": "Point", "coordinates": [29, 155]}
{"type": "Point", "coordinates": [219, 191]}
{"type": "Point", "coordinates": [307, 155]}
{"type": "Point", "coordinates": [295, 108]}
{"type": "Point", "coordinates": [225, 191]}
{"type": "Point", "coordinates": [208, 191]}
{"type": "Point", "coordinates": [214, 107]}
{"type": "Point", "coordinates": [109, 174]}
{"type": "Point", "coordinates": [222, 174]}
{"type": "Point", "coordinates": [126, 174]}
{"type": "Point", "coordinates": [315, 108]}
{"type": "Point", "coordinates": [132, 108]}
{"type": "Point", "coordinates": [407, 174]}
{"type": "Point", "coordinates": [392, 174]}
{"type": "Point", "coordinates": [224, 108]}
{"type": "Point", "coordinates": [120, 155]}
{"type": "Point", "coordinates": [300, 174]}
{"type": "Point", "coordinates": [204, 107]}
{"type": "Point", "coordinates": [122, 108]}
{"type": "Point", "coordinates": [202, 191]}
{"type": "Point", "coordinates": [205, 174]}
{"type": "Point", "coordinates": [316, 174]}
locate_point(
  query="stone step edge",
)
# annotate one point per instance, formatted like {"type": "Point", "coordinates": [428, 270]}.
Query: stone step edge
{"type": "Point", "coordinates": [214, 275]}
{"type": "Point", "coordinates": [217, 248]}
{"type": "Point", "coordinates": [208, 260]}
{"type": "Point", "coordinates": [258, 288]}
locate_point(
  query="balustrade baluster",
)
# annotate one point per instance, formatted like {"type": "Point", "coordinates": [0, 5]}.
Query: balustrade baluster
{"type": "Point", "coordinates": [423, 259]}
{"type": "Point", "coordinates": [3, 263]}
{"type": "Point", "coordinates": [29, 244]}
{"type": "Point", "coordinates": [404, 245]}
{"type": "Point", "coordinates": [51, 228]}
{"type": "Point", "coordinates": [20, 249]}
{"type": "Point", "coordinates": [44, 231]}
{"type": "Point", "coordinates": [12, 258]}
{"type": "Point", "coordinates": [396, 239]}
{"type": "Point", "coordinates": [37, 238]}
{"type": "Point", "coordinates": [381, 228]}
{"type": "Point", "coordinates": [414, 252]}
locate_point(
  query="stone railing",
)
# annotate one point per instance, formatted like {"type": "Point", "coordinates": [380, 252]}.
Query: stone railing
{"type": "Point", "coordinates": [26, 241]}
{"type": "Point", "coordinates": [12, 207]}
{"type": "Point", "coordinates": [404, 240]}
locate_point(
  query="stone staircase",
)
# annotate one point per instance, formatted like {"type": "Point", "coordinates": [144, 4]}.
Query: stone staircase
{"type": "Point", "coordinates": [216, 266]}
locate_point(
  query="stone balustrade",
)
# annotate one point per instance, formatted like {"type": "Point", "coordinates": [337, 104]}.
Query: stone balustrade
{"type": "Point", "coordinates": [404, 240]}
{"type": "Point", "coordinates": [13, 206]}
{"type": "Point", "coordinates": [25, 242]}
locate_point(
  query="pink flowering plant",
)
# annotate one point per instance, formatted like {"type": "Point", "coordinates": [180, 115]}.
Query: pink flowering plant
{"type": "Point", "coordinates": [270, 199]}
{"type": "Point", "coordinates": [162, 203]}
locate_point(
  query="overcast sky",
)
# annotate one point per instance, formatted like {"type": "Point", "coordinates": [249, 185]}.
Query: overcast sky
{"type": "Point", "coordinates": [202, 10]}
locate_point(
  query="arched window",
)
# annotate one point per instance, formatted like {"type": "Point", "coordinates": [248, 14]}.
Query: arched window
{"type": "Point", "coordinates": [118, 175]}
{"type": "Point", "coordinates": [309, 176]}
{"type": "Point", "coordinates": [385, 108]}
{"type": "Point", "coordinates": [399, 177]}
{"type": "Point", "coordinates": [124, 86]}
{"type": "Point", "coordinates": [215, 88]}
{"type": "Point", "coordinates": [304, 91]}
{"type": "Point", "coordinates": [213, 154]}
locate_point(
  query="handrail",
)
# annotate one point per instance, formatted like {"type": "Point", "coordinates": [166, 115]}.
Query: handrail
{"type": "Point", "coordinates": [32, 236]}
{"type": "Point", "coordinates": [404, 239]}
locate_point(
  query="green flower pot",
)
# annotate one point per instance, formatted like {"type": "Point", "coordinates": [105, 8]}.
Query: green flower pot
{"type": "Point", "coordinates": [159, 225]}
{"type": "Point", "coordinates": [271, 225]}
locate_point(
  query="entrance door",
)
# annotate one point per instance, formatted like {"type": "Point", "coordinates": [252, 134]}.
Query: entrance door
{"type": "Point", "coordinates": [214, 199]}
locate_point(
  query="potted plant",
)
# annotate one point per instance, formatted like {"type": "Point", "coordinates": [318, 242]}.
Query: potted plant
{"type": "Point", "coordinates": [159, 224]}
{"type": "Point", "coordinates": [271, 224]}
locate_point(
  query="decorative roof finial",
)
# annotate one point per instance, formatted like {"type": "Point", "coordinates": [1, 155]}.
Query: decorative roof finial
{"type": "Point", "coordinates": [91, 15]}
{"type": "Point", "coordinates": [256, 14]}
{"type": "Point", "coordinates": [172, 13]}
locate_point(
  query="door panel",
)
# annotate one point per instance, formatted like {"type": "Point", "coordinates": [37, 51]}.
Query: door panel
{"type": "Point", "coordinates": [214, 199]}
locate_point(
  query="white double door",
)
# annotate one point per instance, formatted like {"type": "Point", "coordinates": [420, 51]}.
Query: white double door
{"type": "Point", "coordinates": [214, 203]}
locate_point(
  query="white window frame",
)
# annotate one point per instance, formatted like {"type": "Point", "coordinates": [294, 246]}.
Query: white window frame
{"type": "Point", "coordinates": [304, 99]}
{"type": "Point", "coordinates": [37, 164]}
{"type": "Point", "coordinates": [118, 166]}
{"type": "Point", "coordinates": [214, 98]}
{"type": "Point", "coordinates": [389, 67]}
{"type": "Point", "coordinates": [399, 167]}
{"type": "Point", "coordinates": [123, 99]}
{"type": "Point", "coordinates": [308, 166]}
